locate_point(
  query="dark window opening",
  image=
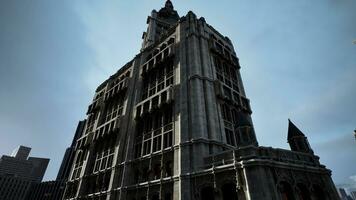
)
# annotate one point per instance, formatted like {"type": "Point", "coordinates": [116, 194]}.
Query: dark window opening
{"type": "Point", "coordinates": [207, 193]}
{"type": "Point", "coordinates": [168, 139]}
{"type": "Point", "coordinates": [303, 192]}
{"type": "Point", "coordinates": [168, 196]}
{"type": "Point", "coordinates": [145, 174]}
{"type": "Point", "coordinates": [229, 192]}
{"type": "Point", "coordinates": [170, 41]}
{"type": "Point", "coordinates": [318, 193]}
{"type": "Point", "coordinates": [286, 191]}
{"type": "Point", "coordinates": [155, 197]}
{"type": "Point", "coordinates": [157, 171]}
{"type": "Point", "coordinates": [168, 168]}
{"type": "Point", "coordinates": [230, 139]}
{"type": "Point", "coordinates": [157, 144]}
{"type": "Point", "coordinates": [227, 92]}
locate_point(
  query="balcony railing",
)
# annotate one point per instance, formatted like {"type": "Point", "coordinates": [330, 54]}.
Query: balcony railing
{"type": "Point", "coordinates": [155, 102]}
{"type": "Point", "coordinates": [157, 59]}
{"type": "Point", "coordinates": [95, 105]}
{"type": "Point", "coordinates": [84, 141]}
{"type": "Point", "coordinates": [224, 53]}
{"type": "Point", "coordinates": [262, 153]}
{"type": "Point", "coordinates": [117, 89]}
{"type": "Point", "coordinates": [107, 128]}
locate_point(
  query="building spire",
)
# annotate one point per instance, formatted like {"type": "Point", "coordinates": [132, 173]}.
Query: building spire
{"type": "Point", "coordinates": [293, 131]}
{"type": "Point", "coordinates": [169, 5]}
{"type": "Point", "coordinates": [168, 12]}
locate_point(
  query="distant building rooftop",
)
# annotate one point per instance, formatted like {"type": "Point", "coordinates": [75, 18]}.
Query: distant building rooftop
{"type": "Point", "coordinates": [21, 152]}
{"type": "Point", "coordinates": [19, 164]}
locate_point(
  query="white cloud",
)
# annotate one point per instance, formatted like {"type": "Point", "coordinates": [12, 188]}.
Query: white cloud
{"type": "Point", "coordinates": [353, 178]}
{"type": "Point", "coordinates": [351, 185]}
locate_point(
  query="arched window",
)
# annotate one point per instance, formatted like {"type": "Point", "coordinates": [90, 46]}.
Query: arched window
{"type": "Point", "coordinates": [303, 192]}
{"type": "Point", "coordinates": [286, 191]}
{"type": "Point", "coordinates": [229, 191]}
{"type": "Point", "coordinates": [207, 193]}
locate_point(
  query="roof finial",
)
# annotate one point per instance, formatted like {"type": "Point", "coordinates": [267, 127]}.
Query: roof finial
{"type": "Point", "coordinates": [169, 4]}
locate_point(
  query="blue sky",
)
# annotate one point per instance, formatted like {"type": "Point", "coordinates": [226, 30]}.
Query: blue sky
{"type": "Point", "coordinates": [297, 58]}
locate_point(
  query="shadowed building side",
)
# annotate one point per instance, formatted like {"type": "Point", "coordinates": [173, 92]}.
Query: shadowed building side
{"type": "Point", "coordinates": [54, 190]}
{"type": "Point", "coordinates": [68, 157]}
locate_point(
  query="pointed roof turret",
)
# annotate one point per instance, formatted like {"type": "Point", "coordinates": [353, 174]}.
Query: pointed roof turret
{"type": "Point", "coordinates": [293, 131]}
{"type": "Point", "coordinates": [168, 12]}
{"type": "Point", "coordinates": [169, 5]}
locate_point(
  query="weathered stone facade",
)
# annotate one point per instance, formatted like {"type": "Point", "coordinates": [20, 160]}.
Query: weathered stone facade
{"type": "Point", "coordinates": [175, 123]}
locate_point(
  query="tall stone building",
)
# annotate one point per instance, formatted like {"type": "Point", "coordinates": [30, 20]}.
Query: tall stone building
{"type": "Point", "coordinates": [175, 123]}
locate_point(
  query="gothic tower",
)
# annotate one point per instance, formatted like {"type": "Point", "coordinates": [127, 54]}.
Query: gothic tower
{"type": "Point", "coordinates": [159, 23]}
{"type": "Point", "coordinates": [175, 123]}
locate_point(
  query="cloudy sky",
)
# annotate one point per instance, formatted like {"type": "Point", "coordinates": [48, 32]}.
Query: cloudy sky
{"type": "Point", "coordinates": [298, 61]}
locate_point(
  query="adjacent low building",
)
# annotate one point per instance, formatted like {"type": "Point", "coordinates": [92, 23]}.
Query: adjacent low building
{"type": "Point", "coordinates": [18, 172]}
{"type": "Point", "coordinates": [353, 194]}
{"type": "Point", "coordinates": [53, 190]}
{"type": "Point", "coordinates": [344, 196]}
{"type": "Point", "coordinates": [48, 190]}
{"type": "Point", "coordinates": [13, 187]}
{"type": "Point", "coordinates": [68, 157]}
